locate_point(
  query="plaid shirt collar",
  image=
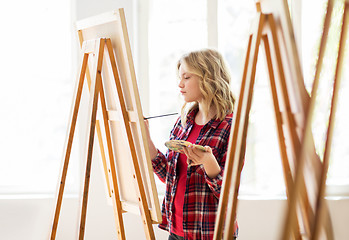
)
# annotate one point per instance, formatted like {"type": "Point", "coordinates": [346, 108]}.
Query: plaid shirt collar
{"type": "Point", "coordinates": [213, 123]}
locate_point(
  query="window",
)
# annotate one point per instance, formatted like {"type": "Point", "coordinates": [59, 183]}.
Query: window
{"type": "Point", "coordinates": [178, 27]}
{"type": "Point", "coordinates": [235, 19]}
{"type": "Point", "coordinates": [173, 31]}
{"type": "Point", "coordinates": [35, 95]}
{"type": "Point", "coordinates": [256, 177]}
{"type": "Point", "coordinates": [175, 27]}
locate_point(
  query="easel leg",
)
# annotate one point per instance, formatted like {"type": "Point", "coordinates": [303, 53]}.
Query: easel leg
{"type": "Point", "coordinates": [291, 129]}
{"type": "Point", "coordinates": [114, 191]}
{"type": "Point", "coordinates": [98, 127]}
{"type": "Point", "coordinates": [322, 216]}
{"type": "Point", "coordinates": [69, 142]}
{"type": "Point", "coordinates": [242, 130]}
{"type": "Point", "coordinates": [278, 117]}
{"type": "Point", "coordinates": [143, 205]}
{"type": "Point", "coordinates": [223, 200]}
{"type": "Point", "coordinates": [279, 122]}
{"type": "Point", "coordinates": [92, 123]}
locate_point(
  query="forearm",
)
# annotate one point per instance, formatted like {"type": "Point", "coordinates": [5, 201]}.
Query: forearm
{"type": "Point", "coordinates": [212, 168]}
{"type": "Point", "coordinates": [159, 163]}
{"type": "Point", "coordinates": [153, 151]}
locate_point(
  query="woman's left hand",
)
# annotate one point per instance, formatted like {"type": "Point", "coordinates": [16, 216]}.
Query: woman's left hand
{"type": "Point", "coordinates": [196, 156]}
{"type": "Point", "coordinates": [206, 158]}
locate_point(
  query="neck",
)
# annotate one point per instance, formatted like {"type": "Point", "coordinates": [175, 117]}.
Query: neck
{"type": "Point", "coordinates": [201, 118]}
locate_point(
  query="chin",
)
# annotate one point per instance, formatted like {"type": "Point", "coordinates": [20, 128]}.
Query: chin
{"type": "Point", "coordinates": [188, 100]}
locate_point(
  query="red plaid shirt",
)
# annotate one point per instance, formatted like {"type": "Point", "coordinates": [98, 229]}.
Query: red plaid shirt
{"type": "Point", "coordinates": [202, 193]}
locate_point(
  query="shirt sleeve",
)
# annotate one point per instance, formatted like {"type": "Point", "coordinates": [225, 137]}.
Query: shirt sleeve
{"type": "Point", "coordinates": [220, 152]}
{"type": "Point", "coordinates": [160, 166]}
{"type": "Point", "coordinates": [160, 162]}
{"type": "Point", "coordinates": [215, 184]}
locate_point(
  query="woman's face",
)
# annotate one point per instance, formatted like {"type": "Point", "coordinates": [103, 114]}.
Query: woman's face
{"type": "Point", "coordinates": [189, 84]}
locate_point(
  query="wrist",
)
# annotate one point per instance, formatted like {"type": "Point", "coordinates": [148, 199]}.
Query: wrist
{"type": "Point", "coordinates": [211, 167]}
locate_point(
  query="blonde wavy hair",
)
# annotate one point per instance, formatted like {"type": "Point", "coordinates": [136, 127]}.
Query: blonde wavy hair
{"type": "Point", "coordinates": [210, 66]}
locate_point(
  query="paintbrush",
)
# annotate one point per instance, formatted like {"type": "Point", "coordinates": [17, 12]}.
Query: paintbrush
{"type": "Point", "coordinates": [164, 115]}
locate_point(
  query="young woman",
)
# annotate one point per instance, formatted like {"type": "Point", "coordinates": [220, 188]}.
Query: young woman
{"type": "Point", "coordinates": [193, 190]}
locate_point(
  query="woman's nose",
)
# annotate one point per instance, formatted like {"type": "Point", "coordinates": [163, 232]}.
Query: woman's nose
{"type": "Point", "coordinates": [180, 84]}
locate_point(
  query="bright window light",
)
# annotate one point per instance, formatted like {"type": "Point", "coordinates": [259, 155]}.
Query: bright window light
{"type": "Point", "coordinates": [35, 94]}
{"type": "Point", "coordinates": [175, 28]}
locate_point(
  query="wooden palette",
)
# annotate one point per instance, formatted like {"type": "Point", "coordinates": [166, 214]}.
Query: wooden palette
{"type": "Point", "coordinates": [178, 145]}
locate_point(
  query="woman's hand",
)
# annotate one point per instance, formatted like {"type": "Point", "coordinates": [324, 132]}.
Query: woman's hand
{"type": "Point", "coordinates": [206, 158]}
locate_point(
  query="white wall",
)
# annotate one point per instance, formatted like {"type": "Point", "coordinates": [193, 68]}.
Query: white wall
{"type": "Point", "coordinates": [263, 219]}
{"type": "Point", "coordinates": [30, 218]}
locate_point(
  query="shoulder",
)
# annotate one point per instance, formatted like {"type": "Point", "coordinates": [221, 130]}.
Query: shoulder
{"type": "Point", "coordinates": [178, 124]}
{"type": "Point", "coordinates": [229, 118]}
{"type": "Point", "coordinates": [227, 121]}
{"type": "Point", "coordinates": [177, 128]}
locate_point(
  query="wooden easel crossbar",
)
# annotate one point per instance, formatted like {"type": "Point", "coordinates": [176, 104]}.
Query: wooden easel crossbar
{"type": "Point", "coordinates": [98, 47]}
{"type": "Point", "coordinates": [288, 130]}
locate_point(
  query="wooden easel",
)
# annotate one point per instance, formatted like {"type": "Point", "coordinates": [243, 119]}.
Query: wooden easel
{"type": "Point", "coordinates": [122, 136]}
{"type": "Point", "coordinates": [98, 47]}
{"type": "Point", "coordinates": [122, 132]}
{"type": "Point", "coordinates": [290, 106]}
{"type": "Point", "coordinates": [320, 213]}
